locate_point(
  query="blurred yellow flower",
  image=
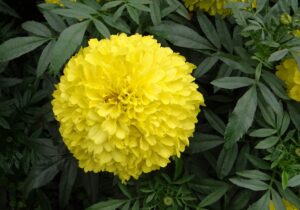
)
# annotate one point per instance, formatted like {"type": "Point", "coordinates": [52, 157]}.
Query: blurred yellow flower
{"type": "Point", "coordinates": [296, 33]}
{"type": "Point", "coordinates": [288, 71]}
{"type": "Point", "coordinates": [126, 105]}
{"type": "Point", "coordinates": [213, 7]}
{"type": "Point", "coordinates": [287, 204]}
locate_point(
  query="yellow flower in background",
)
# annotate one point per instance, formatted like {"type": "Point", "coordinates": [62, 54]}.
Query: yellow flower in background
{"type": "Point", "coordinates": [126, 105]}
{"type": "Point", "coordinates": [213, 7]}
{"type": "Point", "coordinates": [288, 71]}
{"type": "Point", "coordinates": [287, 205]}
{"type": "Point", "coordinates": [296, 33]}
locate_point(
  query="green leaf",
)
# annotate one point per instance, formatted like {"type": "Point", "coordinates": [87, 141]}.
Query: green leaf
{"type": "Point", "coordinates": [226, 160]}
{"type": "Point", "coordinates": [133, 13]}
{"type": "Point", "coordinates": [205, 66]}
{"type": "Point", "coordinates": [103, 30]}
{"type": "Point", "coordinates": [284, 179]}
{"type": "Point", "coordinates": [240, 200]}
{"type": "Point", "coordinates": [294, 181]}
{"type": "Point", "coordinates": [236, 62]}
{"type": "Point", "coordinates": [37, 28]}
{"type": "Point", "coordinates": [232, 82]}
{"type": "Point", "coordinates": [294, 112]}
{"type": "Point", "coordinates": [124, 190]}
{"type": "Point", "coordinates": [45, 59]}
{"type": "Point", "coordinates": [277, 200]}
{"type": "Point", "coordinates": [208, 29]}
{"type": "Point", "coordinates": [252, 184]}
{"type": "Point", "coordinates": [9, 82]}
{"type": "Point", "coordinates": [204, 142]}
{"type": "Point", "coordinates": [278, 55]}
{"type": "Point", "coordinates": [263, 132]}
{"type": "Point", "coordinates": [213, 197]}
{"type": "Point", "coordinates": [78, 14]}
{"type": "Point", "coordinates": [214, 121]}
{"type": "Point", "coordinates": [136, 205]}
{"type": "Point", "coordinates": [54, 21]}
{"type": "Point", "coordinates": [67, 180]}
{"type": "Point", "coordinates": [181, 36]}
{"type": "Point", "coordinates": [269, 97]}
{"type": "Point", "coordinates": [241, 118]}
{"type": "Point", "coordinates": [41, 175]}
{"type": "Point", "coordinates": [4, 123]}
{"type": "Point", "coordinates": [111, 4]}
{"type": "Point", "coordinates": [224, 34]}
{"type": "Point", "coordinates": [107, 205]}
{"type": "Point", "coordinates": [254, 174]}
{"type": "Point", "coordinates": [262, 203]}
{"type": "Point", "coordinates": [267, 143]}
{"type": "Point", "coordinates": [257, 162]}
{"type": "Point", "coordinates": [5, 9]}
{"type": "Point", "coordinates": [117, 24]}
{"type": "Point", "coordinates": [155, 12]}
{"type": "Point", "coordinates": [68, 42]}
{"type": "Point", "coordinates": [18, 46]}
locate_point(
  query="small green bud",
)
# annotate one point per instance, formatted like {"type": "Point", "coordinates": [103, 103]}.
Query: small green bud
{"type": "Point", "coordinates": [168, 201]}
{"type": "Point", "coordinates": [285, 19]}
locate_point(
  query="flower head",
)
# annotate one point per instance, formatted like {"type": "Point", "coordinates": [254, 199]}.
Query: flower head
{"type": "Point", "coordinates": [126, 105]}
{"type": "Point", "coordinates": [286, 203]}
{"type": "Point", "coordinates": [288, 71]}
{"type": "Point", "coordinates": [213, 7]}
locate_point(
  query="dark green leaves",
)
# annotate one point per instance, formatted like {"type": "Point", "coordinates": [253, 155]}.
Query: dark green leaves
{"type": "Point", "coordinates": [232, 82]}
{"type": "Point", "coordinates": [241, 118]}
{"type": "Point", "coordinates": [16, 47]}
{"type": "Point", "coordinates": [252, 184]}
{"type": "Point", "coordinates": [209, 29]}
{"type": "Point", "coordinates": [107, 205]}
{"type": "Point", "coordinates": [68, 42]}
{"type": "Point", "coordinates": [181, 36]}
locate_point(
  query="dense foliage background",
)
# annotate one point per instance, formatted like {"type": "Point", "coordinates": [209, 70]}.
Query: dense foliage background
{"type": "Point", "coordinates": [246, 147]}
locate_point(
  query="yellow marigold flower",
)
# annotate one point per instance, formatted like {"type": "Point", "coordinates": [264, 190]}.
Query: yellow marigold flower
{"type": "Point", "coordinates": [287, 204]}
{"type": "Point", "coordinates": [213, 7]}
{"type": "Point", "coordinates": [288, 72]}
{"type": "Point", "coordinates": [126, 105]}
{"type": "Point", "coordinates": [296, 33]}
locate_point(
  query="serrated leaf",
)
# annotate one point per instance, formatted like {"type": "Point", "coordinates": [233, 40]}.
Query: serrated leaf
{"type": "Point", "coordinates": [18, 46]}
{"type": "Point", "coordinates": [278, 55]}
{"type": "Point", "coordinates": [209, 30]}
{"type": "Point", "coordinates": [155, 12]}
{"type": "Point", "coordinates": [252, 184]}
{"type": "Point", "coordinates": [213, 197]}
{"type": "Point", "coordinates": [67, 180]}
{"type": "Point", "coordinates": [68, 42]}
{"type": "Point", "coordinates": [232, 82]}
{"type": "Point", "coordinates": [102, 29]}
{"type": "Point", "coordinates": [241, 118]}
{"type": "Point", "coordinates": [205, 66]}
{"type": "Point", "coordinates": [181, 36]}
{"type": "Point", "coordinates": [45, 58]}
{"type": "Point", "coordinates": [37, 28]}
{"type": "Point", "coordinates": [263, 132]}
{"type": "Point", "coordinates": [267, 143]}
{"type": "Point", "coordinates": [269, 97]}
{"type": "Point", "coordinates": [254, 174]}
{"type": "Point", "coordinates": [226, 160]}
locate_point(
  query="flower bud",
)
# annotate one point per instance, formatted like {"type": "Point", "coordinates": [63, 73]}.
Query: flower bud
{"type": "Point", "coordinates": [168, 201]}
{"type": "Point", "coordinates": [285, 19]}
